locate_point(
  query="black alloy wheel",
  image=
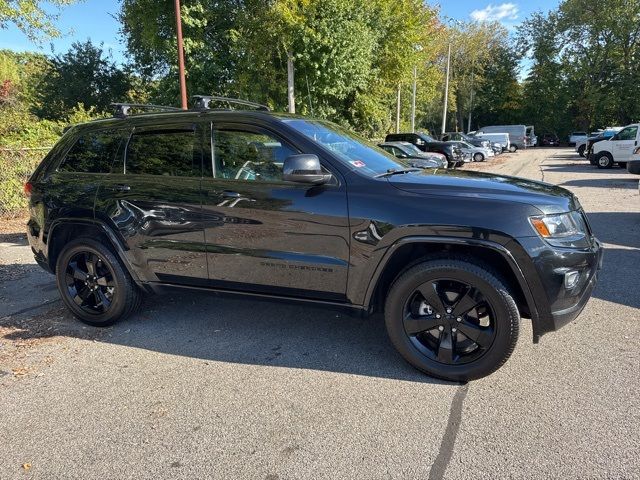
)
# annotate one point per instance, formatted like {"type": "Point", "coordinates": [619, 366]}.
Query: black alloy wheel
{"type": "Point", "coordinates": [90, 282]}
{"type": "Point", "coordinates": [93, 283]}
{"type": "Point", "coordinates": [449, 321]}
{"type": "Point", "coordinates": [452, 318]}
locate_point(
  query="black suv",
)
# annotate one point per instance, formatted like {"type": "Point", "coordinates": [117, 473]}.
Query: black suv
{"type": "Point", "coordinates": [426, 143]}
{"type": "Point", "coordinates": [280, 206]}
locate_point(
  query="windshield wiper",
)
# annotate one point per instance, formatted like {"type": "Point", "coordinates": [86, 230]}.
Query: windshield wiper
{"type": "Point", "coordinates": [393, 171]}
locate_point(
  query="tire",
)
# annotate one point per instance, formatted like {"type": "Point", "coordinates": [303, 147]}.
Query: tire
{"type": "Point", "coordinates": [427, 350]}
{"type": "Point", "coordinates": [512, 148]}
{"type": "Point", "coordinates": [478, 157]}
{"type": "Point", "coordinates": [604, 160]}
{"type": "Point", "coordinates": [581, 149]}
{"type": "Point", "coordinates": [110, 295]}
{"type": "Point", "coordinates": [622, 164]}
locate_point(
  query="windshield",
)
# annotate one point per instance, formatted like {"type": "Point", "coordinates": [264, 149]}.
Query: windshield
{"type": "Point", "coordinates": [348, 146]}
{"type": "Point", "coordinates": [412, 149]}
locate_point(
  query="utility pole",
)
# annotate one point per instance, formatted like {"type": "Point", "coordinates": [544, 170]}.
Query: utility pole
{"type": "Point", "coordinates": [290, 90]}
{"type": "Point", "coordinates": [398, 111]}
{"type": "Point", "coordinates": [471, 102]}
{"type": "Point", "coordinates": [446, 92]}
{"type": "Point", "coordinates": [183, 81]}
{"type": "Point", "coordinates": [413, 99]}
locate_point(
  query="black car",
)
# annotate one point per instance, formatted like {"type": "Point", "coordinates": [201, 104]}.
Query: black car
{"type": "Point", "coordinates": [428, 144]}
{"type": "Point", "coordinates": [290, 208]}
{"type": "Point", "coordinates": [414, 156]}
{"type": "Point", "coordinates": [549, 140]}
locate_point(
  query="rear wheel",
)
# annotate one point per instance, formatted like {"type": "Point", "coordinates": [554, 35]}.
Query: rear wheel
{"type": "Point", "coordinates": [478, 157]}
{"type": "Point", "coordinates": [604, 160]}
{"type": "Point", "coordinates": [93, 283]}
{"type": "Point", "coordinates": [452, 319]}
{"type": "Point", "coordinates": [512, 148]}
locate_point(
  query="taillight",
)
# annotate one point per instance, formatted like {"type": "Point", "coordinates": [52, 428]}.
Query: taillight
{"type": "Point", "coordinates": [28, 187]}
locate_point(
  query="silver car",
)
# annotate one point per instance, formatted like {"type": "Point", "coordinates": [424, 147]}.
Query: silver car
{"type": "Point", "coordinates": [473, 153]}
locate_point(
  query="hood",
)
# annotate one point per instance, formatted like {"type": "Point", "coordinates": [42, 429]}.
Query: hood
{"type": "Point", "coordinates": [475, 185]}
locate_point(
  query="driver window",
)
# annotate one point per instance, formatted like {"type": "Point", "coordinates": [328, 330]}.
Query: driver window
{"type": "Point", "coordinates": [246, 155]}
{"type": "Point", "coordinates": [628, 133]}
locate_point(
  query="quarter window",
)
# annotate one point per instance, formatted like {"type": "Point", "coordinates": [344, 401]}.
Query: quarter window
{"type": "Point", "coordinates": [92, 153]}
{"type": "Point", "coordinates": [170, 152]}
{"type": "Point", "coordinates": [246, 155]}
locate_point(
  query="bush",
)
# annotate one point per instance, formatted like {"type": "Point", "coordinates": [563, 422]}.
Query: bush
{"type": "Point", "coordinates": [24, 141]}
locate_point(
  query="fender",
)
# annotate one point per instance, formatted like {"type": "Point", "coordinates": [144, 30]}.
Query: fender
{"type": "Point", "coordinates": [502, 250]}
{"type": "Point", "coordinates": [116, 242]}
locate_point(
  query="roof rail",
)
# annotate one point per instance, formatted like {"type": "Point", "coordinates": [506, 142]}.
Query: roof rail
{"type": "Point", "coordinates": [123, 110]}
{"type": "Point", "coordinates": [202, 102]}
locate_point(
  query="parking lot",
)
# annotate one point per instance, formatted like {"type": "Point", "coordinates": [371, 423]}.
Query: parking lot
{"type": "Point", "coordinates": [198, 386]}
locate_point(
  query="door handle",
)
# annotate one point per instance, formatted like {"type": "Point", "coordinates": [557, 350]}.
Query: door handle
{"type": "Point", "coordinates": [121, 188]}
{"type": "Point", "coordinates": [230, 194]}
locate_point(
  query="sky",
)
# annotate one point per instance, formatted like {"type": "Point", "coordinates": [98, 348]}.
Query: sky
{"type": "Point", "coordinates": [94, 19]}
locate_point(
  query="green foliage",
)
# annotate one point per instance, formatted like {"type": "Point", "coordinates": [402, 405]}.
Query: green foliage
{"type": "Point", "coordinates": [82, 75]}
{"type": "Point", "coordinates": [30, 17]}
{"type": "Point", "coordinates": [349, 56]}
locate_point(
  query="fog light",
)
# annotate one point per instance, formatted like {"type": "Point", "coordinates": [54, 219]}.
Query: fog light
{"type": "Point", "coordinates": [571, 279]}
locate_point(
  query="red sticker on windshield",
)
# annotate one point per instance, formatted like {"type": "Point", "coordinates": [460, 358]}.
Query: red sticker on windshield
{"type": "Point", "coordinates": [358, 163]}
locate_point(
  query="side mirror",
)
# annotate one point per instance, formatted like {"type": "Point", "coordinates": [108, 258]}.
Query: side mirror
{"type": "Point", "coordinates": [304, 168]}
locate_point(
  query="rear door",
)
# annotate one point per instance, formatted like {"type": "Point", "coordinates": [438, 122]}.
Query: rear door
{"type": "Point", "coordinates": [624, 143]}
{"type": "Point", "coordinates": [153, 199]}
{"type": "Point", "coordinates": [264, 234]}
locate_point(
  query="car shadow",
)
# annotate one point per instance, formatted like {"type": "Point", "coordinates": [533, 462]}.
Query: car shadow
{"type": "Point", "coordinates": [15, 238]}
{"type": "Point", "coordinates": [623, 182]}
{"type": "Point", "coordinates": [243, 330]}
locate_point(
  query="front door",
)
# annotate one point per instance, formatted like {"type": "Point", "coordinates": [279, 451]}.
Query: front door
{"type": "Point", "coordinates": [624, 143]}
{"type": "Point", "coordinates": [153, 198]}
{"type": "Point", "coordinates": [266, 235]}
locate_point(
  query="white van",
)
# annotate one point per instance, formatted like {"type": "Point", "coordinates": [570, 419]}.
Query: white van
{"type": "Point", "coordinates": [517, 134]}
{"type": "Point", "coordinates": [618, 149]}
{"type": "Point", "coordinates": [500, 138]}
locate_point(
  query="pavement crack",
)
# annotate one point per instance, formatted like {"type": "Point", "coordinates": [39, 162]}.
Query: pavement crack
{"type": "Point", "coordinates": [445, 452]}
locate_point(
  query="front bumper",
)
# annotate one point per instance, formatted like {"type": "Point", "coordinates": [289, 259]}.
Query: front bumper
{"type": "Point", "coordinates": [555, 304]}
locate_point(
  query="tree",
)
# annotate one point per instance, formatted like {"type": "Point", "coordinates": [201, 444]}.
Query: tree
{"type": "Point", "coordinates": [30, 17]}
{"type": "Point", "coordinates": [349, 56]}
{"type": "Point", "coordinates": [83, 75]}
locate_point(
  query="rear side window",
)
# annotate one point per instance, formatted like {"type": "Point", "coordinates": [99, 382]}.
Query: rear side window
{"type": "Point", "coordinates": [92, 153]}
{"type": "Point", "coordinates": [170, 152]}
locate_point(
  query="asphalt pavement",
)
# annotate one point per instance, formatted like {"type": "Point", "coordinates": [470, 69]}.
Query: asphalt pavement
{"type": "Point", "coordinates": [199, 386]}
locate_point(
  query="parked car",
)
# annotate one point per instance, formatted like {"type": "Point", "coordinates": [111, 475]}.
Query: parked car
{"type": "Point", "coordinates": [575, 137]}
{"type": "Point", "coordinates": [581, 144]}
{"type": "Point", "coordinates": [502, 139]}
{"type": "Point", "coordinates": [606, 134]}
{"type": "Point", "coordinates": [549, 140]}
{"type": "Point", "coordinates": [476, 154]}
{"type": "Point", "coordinates": [633, 165]}
{"type": "Point", "coordinates": [517, 134]}
{"type": "Point", "coordinates": [462, 137]}
{"type": "Point", "coordinates": [414, 156]}
{"type": "Point", "coordinates": [277, 206]}
{"type": "Point", "coordinates": [426, 143]}
{"type": "Point", "coordinates": [617, 149]}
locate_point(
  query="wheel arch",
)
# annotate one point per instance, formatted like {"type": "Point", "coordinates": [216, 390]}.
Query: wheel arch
{"type": "Point", "coordinates": [409, 251]}
{"type": "Point", "coordinates": [65, 229]}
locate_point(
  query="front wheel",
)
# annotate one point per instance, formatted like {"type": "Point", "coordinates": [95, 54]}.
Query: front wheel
{"type": "Point", "coordinates": [513, 148]}
{"type": "Point", "coordinates": [604, 160]}
{"type": "Point", "coordinates": [452, 319]}
{"type": "Point", "coordinates": [93, 283]}
{"type": "Point", "coordinates": [581, 149]}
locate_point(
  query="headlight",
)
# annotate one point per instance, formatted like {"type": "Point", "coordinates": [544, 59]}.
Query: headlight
{"type": "Point", "coordinates": [562, 230]}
